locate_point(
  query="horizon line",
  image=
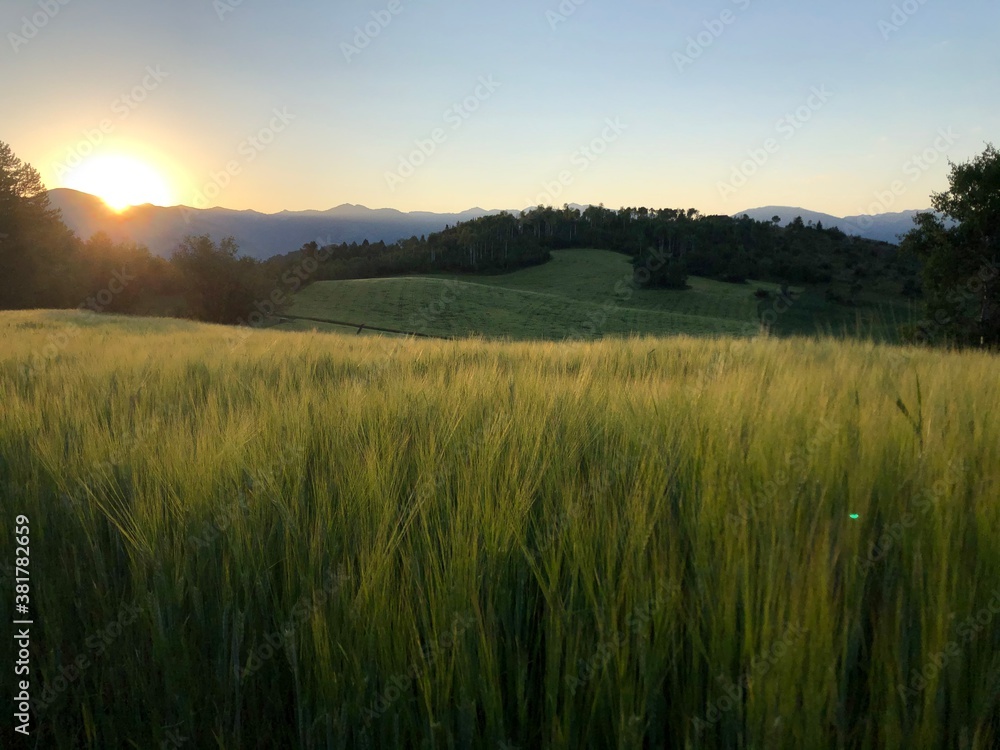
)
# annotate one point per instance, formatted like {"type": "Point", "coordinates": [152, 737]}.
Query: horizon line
{"type": "Point", "coordinates": [463, 211]}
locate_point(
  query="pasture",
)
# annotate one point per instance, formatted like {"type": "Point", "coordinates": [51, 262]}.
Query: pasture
{"type": "Point", "coordinates": [579, 294]}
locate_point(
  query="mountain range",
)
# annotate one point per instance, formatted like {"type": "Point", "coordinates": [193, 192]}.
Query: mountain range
{"type": "Point", "coordinates": [883, 227]}
{"type": "Point", "coordinates": [261, 236]}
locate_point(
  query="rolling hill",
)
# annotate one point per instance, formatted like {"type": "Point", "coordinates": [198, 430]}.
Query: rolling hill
{"type": "Point", "coordinates": [262, 236]}
{"type": "Point", "coordinates": [579, 294]}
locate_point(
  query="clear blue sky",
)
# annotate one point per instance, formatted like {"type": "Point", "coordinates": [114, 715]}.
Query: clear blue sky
{"type": "Point", "coordinates": [684, 128]}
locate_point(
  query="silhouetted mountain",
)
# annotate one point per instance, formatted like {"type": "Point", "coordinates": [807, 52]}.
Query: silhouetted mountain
{"type": "Point", "coordinates": [259, 235]}
{"type": "Point", "coordinates": [263, 235]}
{"type": "Point", "coordinates": [883, 227]}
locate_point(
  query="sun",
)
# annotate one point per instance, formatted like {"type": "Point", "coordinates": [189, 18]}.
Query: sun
{"type": "Point", "coordinates": [121, 181]}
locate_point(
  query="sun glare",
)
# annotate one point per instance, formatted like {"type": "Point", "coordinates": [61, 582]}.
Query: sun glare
{"type": "Point", "coordinates": [121, 181]}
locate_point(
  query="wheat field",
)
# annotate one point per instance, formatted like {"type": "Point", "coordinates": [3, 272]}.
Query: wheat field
{"type": "Point", "coordinates": [265, 539]}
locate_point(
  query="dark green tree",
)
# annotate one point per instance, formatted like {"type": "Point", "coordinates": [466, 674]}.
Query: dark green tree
{"type": "Point", "coordinates": [218, 286]}
{"type": "Point", "coordinates": [961, 258]}
{"type": "Point", "coordinates": [38, 267]}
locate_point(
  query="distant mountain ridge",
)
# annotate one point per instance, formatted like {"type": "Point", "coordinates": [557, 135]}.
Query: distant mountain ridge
{"type": "Point", "coordinates": [882, 227]}
{"type": "Point", "coordinates": [259, 235]}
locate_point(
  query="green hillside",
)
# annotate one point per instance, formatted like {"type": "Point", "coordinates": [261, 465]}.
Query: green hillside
{"type": "Point", "coordinates": [583, 293]}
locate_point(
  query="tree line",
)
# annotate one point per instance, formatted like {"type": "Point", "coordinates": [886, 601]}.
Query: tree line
{"type": "Point", "coordinates": [665, 245]}
{"type": "Point", "coordinates": [44, 265]}
{"type": "Point", "coordinates": [954, 268]}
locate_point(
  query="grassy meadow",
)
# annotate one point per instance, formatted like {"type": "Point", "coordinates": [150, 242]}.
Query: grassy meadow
{"type": "Point", "coordinates": [581, 294]}
{"type": "Point", "coordinates": [320, 540]}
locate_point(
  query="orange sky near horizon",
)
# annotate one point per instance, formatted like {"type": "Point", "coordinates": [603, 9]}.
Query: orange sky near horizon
{"type": "Point", "coordinates": [265, 109]}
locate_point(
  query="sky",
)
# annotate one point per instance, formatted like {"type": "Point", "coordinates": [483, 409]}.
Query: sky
{"type": "Point", "coordinates": [443, 105]}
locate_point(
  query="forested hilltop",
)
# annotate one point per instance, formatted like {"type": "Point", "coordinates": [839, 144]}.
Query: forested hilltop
{"type": "Point", "coordinates": [954, 268]}
{"type": "Point", "coordinates": [669, 244]}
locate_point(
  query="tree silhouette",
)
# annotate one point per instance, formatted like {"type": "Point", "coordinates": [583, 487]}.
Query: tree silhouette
{"type": "Point", "coordinates": [37, 263]}
{"type": "Point", "coordinates": [962, 262]}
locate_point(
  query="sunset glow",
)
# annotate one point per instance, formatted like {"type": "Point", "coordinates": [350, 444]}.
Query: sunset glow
{"type": "Point", "coordinates": [121, 181]}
